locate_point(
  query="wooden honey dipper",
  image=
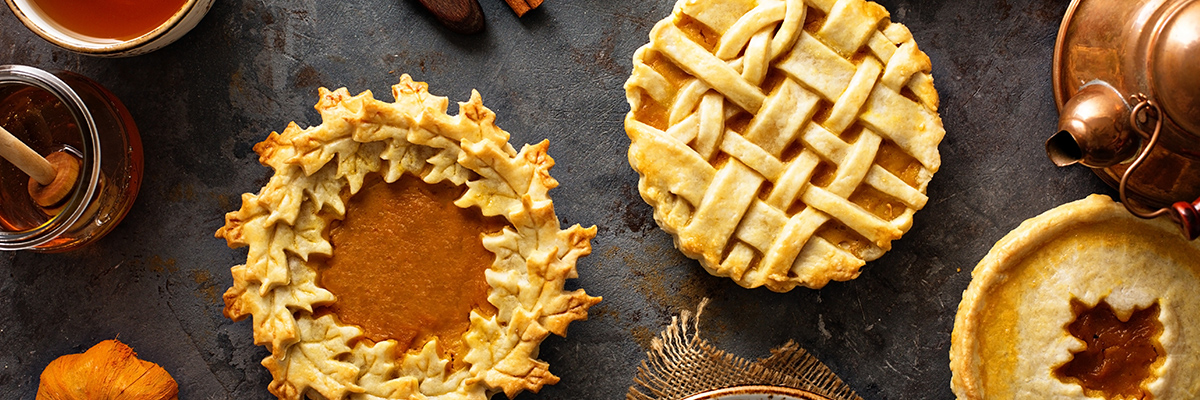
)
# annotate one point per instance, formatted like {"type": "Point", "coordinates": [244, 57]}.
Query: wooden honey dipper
{"type": "Point", "coordinates": [51, 178]}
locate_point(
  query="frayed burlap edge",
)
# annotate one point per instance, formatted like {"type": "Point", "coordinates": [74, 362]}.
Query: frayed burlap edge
{"type": "Point", "coordinates": [680, 364]}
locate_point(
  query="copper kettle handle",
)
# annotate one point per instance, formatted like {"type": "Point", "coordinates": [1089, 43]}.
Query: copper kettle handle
{"type": "Point", "coordinates": [1186, 215]}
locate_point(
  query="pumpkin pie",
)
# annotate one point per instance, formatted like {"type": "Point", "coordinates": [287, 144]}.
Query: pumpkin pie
{"type": "Point", "coordinates": [1085, 301]}
{"type": "Point", "coordinates": [783, 143]}
{"type": "Point", "coordinates": [399, 252]}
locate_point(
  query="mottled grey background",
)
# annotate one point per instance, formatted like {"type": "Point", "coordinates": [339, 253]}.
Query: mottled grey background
{"type": "Point", "coordinates": [252, 66]}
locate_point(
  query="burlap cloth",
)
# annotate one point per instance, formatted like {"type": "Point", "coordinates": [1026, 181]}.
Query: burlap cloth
{"type": "Point", "coordinates": [680, 364]}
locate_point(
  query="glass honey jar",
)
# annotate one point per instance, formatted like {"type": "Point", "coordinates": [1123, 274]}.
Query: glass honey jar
{"type": "Point", "coordinates": [66, 112]}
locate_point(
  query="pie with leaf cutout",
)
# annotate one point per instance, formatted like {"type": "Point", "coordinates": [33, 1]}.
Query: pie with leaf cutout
{"type": "Point", "coordinates": [399, 252]}
{"type": "Point", "coordinates": [1085, 301]}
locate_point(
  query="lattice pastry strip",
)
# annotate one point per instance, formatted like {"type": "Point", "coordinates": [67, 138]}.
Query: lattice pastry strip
{"type": "Point", "coordinates": [782, 142]}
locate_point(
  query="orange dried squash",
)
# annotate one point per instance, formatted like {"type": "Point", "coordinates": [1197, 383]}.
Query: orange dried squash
{"type": "Point", "coordinates": [110, 370]}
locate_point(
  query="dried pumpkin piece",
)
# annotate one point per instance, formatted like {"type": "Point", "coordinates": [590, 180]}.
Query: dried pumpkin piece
{"type": "Point", "coordinates": [108, 370]}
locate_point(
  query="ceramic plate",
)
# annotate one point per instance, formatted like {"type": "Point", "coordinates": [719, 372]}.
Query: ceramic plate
{"type": "Point", "coordinates": [757, 393]}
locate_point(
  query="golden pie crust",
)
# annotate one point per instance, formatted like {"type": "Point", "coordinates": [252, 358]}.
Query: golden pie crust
{"type": "Point", "coordinates": [1011, 329]}
{"type": "Point", "coordinates": [284, 226]}
{"type": "Point", "coordinates": [782, 142]}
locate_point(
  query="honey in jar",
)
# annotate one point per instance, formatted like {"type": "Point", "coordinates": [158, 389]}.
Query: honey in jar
{"type": "Point", "coordinates": [110, 19]}
{"type": "Point", "coordinates": [69, 113]}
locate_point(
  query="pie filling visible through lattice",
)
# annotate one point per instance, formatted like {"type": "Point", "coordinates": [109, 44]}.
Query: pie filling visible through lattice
{"type": "Point", "coordinates": [399, 252]}
{"type": "Point", "coordinates": [782, 142]}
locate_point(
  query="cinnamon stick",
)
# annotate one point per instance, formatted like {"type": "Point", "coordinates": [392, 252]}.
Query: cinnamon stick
{"type": "Point", "coordinates": [523, 6]}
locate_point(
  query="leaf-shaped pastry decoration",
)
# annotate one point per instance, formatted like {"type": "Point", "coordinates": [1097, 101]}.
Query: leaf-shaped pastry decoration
{"type": "Point", "coordinates": [316, 170]}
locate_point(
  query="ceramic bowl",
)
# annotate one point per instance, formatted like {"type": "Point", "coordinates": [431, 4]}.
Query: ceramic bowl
{"type": "Point", "coordinates": [175, 27]}
{"type": "Point", "coordinates": [757, 393]}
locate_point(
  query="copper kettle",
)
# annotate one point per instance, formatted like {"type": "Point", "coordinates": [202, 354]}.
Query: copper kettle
{"type": "Point", "coordinates": [1127, 86]}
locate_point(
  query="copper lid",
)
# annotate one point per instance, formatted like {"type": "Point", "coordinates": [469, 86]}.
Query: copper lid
{"type": "Point", "coordinates": [1174, 67]}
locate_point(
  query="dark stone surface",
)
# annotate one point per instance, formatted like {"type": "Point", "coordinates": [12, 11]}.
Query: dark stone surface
{"type": "Point", "coordinates": [252, 66]}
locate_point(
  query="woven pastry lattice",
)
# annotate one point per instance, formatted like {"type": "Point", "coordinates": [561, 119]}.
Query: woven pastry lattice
{"type": "Point", "coordinates": [783, 142]}
{"type": "Point", "coordinates": [285, 227]}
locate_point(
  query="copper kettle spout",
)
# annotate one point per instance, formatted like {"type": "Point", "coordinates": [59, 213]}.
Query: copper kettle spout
{"type": "Point", "coordinates": [1136, 121]}
{"type": "Point", "coordinates": [1093, 129]}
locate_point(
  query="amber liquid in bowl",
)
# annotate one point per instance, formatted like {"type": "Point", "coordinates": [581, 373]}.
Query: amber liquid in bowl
{"type": "Point", "coordinates": [110, 19]}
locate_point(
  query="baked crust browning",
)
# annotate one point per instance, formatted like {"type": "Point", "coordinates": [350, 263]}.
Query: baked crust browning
{"type": "Point", "coordinates": [284, 226]}
{"type": "Point", "coordinates": [1011, 331]}
{"type": "Point", "coordinates": [782, 142]}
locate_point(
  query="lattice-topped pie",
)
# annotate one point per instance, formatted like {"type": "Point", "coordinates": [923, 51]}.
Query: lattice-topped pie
{"type": "Point", "coordinates": [402, 253]}
{"type": "Point", "coordinates": [782, 142]}
{"type": "Point", "coordinates": [1085, 301]}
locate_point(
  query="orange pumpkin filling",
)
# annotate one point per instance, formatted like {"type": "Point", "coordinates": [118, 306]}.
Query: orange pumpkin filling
{"type": "Point", "coordinates": [408, 265]}
{"type": "Point", "coordinates": [1119, 354]}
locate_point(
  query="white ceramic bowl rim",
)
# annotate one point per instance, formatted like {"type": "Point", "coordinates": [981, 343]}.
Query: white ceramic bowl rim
{"type": "Point", "coordinates": [754, 392]}
{"type": "Point", "coordinates": [43, 26]}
